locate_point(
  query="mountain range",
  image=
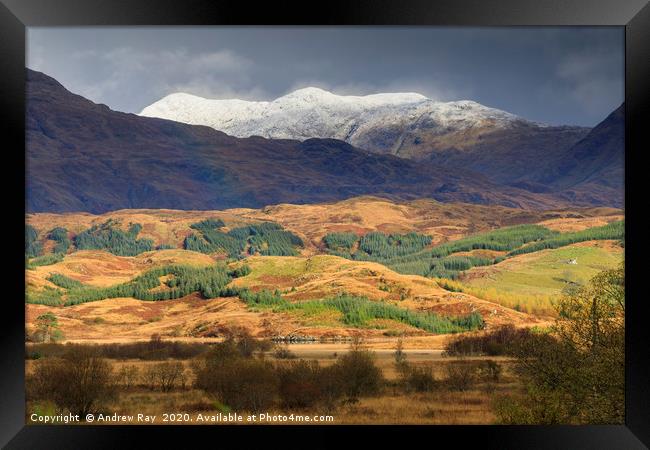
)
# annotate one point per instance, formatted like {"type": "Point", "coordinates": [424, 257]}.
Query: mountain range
{"type": "Point", "coordinates": [83, 156]}
{"type": "Point", "coordinates": [462, 134]}
{"type": "Point", "coordinates": [378, 123]}
{"type": "Point", "coordinates": [408, 125]}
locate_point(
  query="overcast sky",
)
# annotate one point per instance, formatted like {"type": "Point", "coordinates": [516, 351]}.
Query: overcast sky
{"type": "Point", "coordinates": [554, 75]}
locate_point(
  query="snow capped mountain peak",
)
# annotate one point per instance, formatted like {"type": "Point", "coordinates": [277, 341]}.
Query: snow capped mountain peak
{"type": "Point", "coordinates": [311, 112]}
{"type": "Point", "coordinates": [308, 93]}
{"type": "Point", "coordinates": [318, 95]}
{"type": "Point", "coordinates": [180, 96]}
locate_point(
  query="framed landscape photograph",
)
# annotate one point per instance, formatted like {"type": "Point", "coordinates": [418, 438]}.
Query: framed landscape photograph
{"type": "Point", "coordinates": [368, 217]}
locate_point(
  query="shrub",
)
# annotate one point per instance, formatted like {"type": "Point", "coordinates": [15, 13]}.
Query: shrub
{"type": "Point", "coordinates": [247, 345]}
{"type": "Point", "coordinates": [166, 375]}
{"type": "Point", "coordinates": [420, 379]}
{"type": "Point", "coordinates": [357, 372]}
{"type": "Point", "coordinates": [401, 364]}
{"type": "Point", "coordinates": [535, 407]}
{"type": "Point", "coordinates": [579, 376]}
{"type": "Point", "coordinates": [500, 341]}
{"type": "Point", "coordinates": [414, 378]}
{"type": "Point", "coordinates": [128, 376]}
{"type": "Point", "coordinates": [300, 384]}
{"type": "Point", "coordinates": [151, 350]}
{"type": "Point", "coordinates": [33, 355]}
{"type": "Point", "coordinates": [460, 375]}
{"type": "Point", "coordinates": [489, 371]}
{"type": "Point", "coordinates": [283, 353]}
{"type": "Point", "coordinates": [240, 383]}
{"type": "Point", "coordinates": [47, 328]}
{"type": "Point", "coordinates": [80, 382]}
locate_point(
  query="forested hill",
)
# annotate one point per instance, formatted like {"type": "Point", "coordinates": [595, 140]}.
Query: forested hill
{"type": "Point", "coordinates": [82, 156]}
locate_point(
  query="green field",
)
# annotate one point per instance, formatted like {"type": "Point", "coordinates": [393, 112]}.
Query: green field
{"type": "Point", "coordinates": [530, 282]}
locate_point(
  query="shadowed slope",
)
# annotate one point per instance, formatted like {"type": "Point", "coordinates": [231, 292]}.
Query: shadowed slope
{"type": "Point", "coordinates": [84, 157]}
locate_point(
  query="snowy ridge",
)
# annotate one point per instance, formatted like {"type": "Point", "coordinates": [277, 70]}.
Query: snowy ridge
{"type": "Point", "coordinates": [316, 113]}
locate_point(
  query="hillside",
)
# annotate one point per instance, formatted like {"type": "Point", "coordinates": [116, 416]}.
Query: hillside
{"type": "Point", "coordinates": [530, 282]}
{"type": "Point", "coordinates": [595, 165]}
{"type": "Point", "coordinates": [134, 276]}
{"type": "Point", "coordinates": [83, 156]}
{"type": "Point", "coordinates": [459, 135]}
{"type": "Point", "coordinates": [192, 316]}
{"type": "Point", "coordinates": [408, 125]}
{"type": "Point", "coordinates": [442, 221]}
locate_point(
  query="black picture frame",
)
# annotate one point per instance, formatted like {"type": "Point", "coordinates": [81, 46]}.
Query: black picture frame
{"type": "Point", "coordinates": [634, 15]}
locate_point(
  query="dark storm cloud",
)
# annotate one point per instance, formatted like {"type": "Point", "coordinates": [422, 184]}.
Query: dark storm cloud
{"type": "Point", "coordinates": [552, 75]}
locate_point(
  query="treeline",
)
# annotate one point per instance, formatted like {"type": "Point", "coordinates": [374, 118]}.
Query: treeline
{"type": "Point", "coordinates": [48, 296]}
{"type": "Point", "coordinates": [209, 281]}
{"type": "Point", "coordinates": [237, 374]}
{"type": "Point", "coordinates": [498, 342]}
{"type": "Point", "coordinates": [33, 247]}
{"type": "Point", "coordinates": [381, 245]}
{"type": "Point", "coordinates": [64, 282]}
{"type": "Point", "coordinates": [359, 311]}
{"type": "Point", "coordinates": [45, 260]}
{"type": "Point", "coordinates": [340, 241]}
{"type": "Point", "coordinates": [451, 266]}
{"type": "Point", "coordinates": [108, 236]}
{"type": "Point", "coordinates": [151, 350]}
{"type": "Point", "coordinates": [208, 224]}
{"type": "Point", "coordinates": [376, 245]}
{"type": "Point", "coordinates": [60, 236]}
{"type": "Point", "coordinates": [503, 239]}
{"type": "Point", "coordinates": [267, 238]}
{"type": "Point", "coordinates": [233, 373]}
{"type": "Point", "coordinates": [614, 230]}
{"type": "Point", "coordinates": [408, 254]}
